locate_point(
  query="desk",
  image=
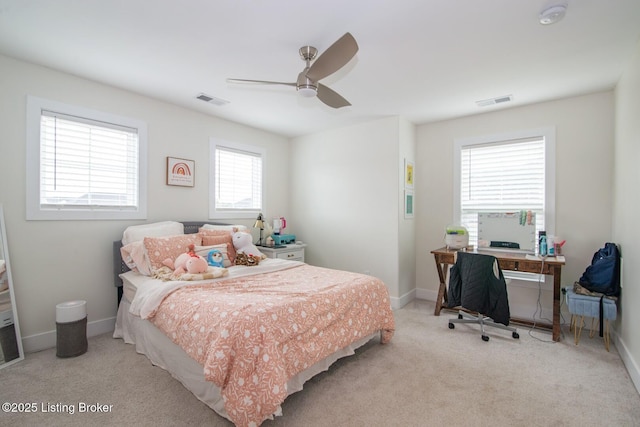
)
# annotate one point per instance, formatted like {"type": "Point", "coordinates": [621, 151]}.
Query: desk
{"type": "Point", "coordinates": [508, 261]}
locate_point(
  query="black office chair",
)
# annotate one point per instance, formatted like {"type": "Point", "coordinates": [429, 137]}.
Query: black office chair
{"type": "Point", "coordinates": [477, 284]}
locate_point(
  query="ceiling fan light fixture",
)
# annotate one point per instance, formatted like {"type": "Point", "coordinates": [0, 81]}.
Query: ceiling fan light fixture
{"type": "Point", "coordinates": [308, 83]}
{"type": "Point", "coordinates": [308, 91]}
{"type": "Point", "coordinates": [553, 14]}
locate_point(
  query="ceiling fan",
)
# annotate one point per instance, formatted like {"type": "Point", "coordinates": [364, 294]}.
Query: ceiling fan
{"type": "Point", "coordinates": [330, 61]}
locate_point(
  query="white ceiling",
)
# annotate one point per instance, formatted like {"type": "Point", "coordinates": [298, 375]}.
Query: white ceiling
{"type": "Point", "coordinates": [425, 60]}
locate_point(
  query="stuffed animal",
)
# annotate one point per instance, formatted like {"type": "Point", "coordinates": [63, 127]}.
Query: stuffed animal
{"type": "Point", "coordinates": [188, 262]}
{"type": "Point", "coordinates": [249, 260]}
{"type": "Point", "coordinates": [242, 242]}
{"type": "Point", "coordinates": [215, 258]}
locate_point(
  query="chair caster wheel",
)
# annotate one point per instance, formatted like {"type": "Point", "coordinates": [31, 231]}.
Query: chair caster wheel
{"type": "Point", "coordinates": [459, 316]}
{"type": "Point", "coordinates": [485, 338]}
{"type": "Point", "coordinates": [451, 326]}
{"type": "Point", "coordinates": [515, 335]}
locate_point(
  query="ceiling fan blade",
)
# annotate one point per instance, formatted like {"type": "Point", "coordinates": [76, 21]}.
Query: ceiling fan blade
{"type": "Point", "coordinates": [334, 58]}
{"type": "Point", "coordinates": [330, 97]}
{"type": "Point", "coordinates": [263, 82]}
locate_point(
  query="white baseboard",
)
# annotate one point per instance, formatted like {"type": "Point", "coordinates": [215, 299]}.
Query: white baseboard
{"type": "Point", "coordinates": [47, 340]}
{"type": "Point", "coordinates": [427, 294]}
{"type": "Point", "coordinates": [399, 302]}
{"type": "Point", "coordinates": [628, 360]}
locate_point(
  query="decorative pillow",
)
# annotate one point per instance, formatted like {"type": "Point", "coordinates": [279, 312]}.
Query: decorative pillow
{"type": "Point", "coordinates": [161, 248]}
{"type": "Point", "coordinates": [203, 251]}
{"type": "Point", "coordinates": [211, 232]}
{"type": "Point", "coordinates": [137, 233]}
{"type": "Point", "coordinates": [135, 256]}
{"type": "Point", "coordinates": [217, 237]}
{"type": "Point", "coordinates": [228, 228]}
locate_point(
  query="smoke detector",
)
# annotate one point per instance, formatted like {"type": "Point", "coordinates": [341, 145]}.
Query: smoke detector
{"type": "Point", "coordinates": [553, 14]}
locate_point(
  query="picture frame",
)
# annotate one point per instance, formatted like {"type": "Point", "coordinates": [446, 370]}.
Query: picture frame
{"type": "Point", "coordinates": [408, 173]}
{"type": "Point", "coordinates": [180, 172]}
{"type": "Point", "coordinates": [409, 203]}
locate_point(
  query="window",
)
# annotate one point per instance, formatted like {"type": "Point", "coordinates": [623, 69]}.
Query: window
{"type": "Point", "coordinates": [83, 164]}
{"type": "Point", "coordinates": [505, 173]}
{"type": "Point", "coordinates": [236, 180]}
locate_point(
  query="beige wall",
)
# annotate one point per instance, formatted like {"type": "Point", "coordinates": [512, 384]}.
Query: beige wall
{"type": "Point", "coordinates": [56, 261]}
{"type": "Point", "coordinates": [346, 185]}
{"type": "Point", "coordinates": [584, 172]}
{"type": "Point", "coordinates": [406, 226]}
{"type": "Point", "coordinates": [625, 212]}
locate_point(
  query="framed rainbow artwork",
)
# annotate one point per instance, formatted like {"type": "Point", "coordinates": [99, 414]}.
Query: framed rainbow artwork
{"type": "Point", "coordinates": [180, 172]}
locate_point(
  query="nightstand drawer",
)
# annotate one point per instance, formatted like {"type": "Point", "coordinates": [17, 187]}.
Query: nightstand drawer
{"type": "Point", "coordinates": [297, 255]}
{"type": "Point", "coordinates": [291, 252]}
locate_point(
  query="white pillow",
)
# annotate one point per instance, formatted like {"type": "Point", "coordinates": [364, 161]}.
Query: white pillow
{"type": "Point", "coordinates": [135, 256]}
{"type": "Point", "coordinates": [136, 233]}
{"type": "Point", "coordinates": [225, 227]}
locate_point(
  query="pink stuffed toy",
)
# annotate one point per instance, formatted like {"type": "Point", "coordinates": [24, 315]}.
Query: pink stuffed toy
{"type": "Point", "coordinates": [188, 262]}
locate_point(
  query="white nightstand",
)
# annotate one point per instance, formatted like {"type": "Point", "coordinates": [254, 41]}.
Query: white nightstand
{"type": "Point", "coordinates": [291, 252]}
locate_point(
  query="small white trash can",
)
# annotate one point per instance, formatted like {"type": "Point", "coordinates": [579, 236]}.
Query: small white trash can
{"type": "Point", "coordinates": [71, 328]}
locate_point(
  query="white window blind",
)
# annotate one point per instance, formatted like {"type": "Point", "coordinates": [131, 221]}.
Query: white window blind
{"type": "Point", "coordinates": [237, 180]}
{"type": "Point", "coordinates": [506, 176]}
{"type": "Point", "coordinates": [85, 164]}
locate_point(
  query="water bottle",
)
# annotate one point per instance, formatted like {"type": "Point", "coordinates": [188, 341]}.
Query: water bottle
{"type": "Point", "coordinates": [543, 245]}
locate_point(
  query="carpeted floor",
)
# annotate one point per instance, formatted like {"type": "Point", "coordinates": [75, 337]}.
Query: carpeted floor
{"type": "Point", "coordinates": [428, 375]}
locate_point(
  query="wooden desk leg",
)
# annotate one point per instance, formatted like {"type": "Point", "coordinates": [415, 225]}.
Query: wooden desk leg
{"type": "Point", "coordinates": [442, 290]}
{"type": "Point", "coordinates": [556, 303]}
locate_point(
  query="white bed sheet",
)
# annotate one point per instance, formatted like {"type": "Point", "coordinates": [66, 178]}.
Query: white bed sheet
{"type": "Point", "coordinates": [162, 352]}
{"type": "Point", "coordinates": [130, 282]}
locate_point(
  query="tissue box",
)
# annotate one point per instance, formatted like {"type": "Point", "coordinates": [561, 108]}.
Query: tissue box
{"type": "Point", "coordinates": [283, 239]}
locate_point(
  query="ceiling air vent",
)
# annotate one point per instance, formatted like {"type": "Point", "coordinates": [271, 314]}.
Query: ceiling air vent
{"type": "Point", "coordinates": [494, 101]}
{"type": "Point", "coordinates": [212, 99]}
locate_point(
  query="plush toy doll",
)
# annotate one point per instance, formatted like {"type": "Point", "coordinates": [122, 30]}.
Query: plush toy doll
{"type": "Point", "coordinates": [249, 260]}
{"type": "Point", "coordinates": [215, 259]}
{"type": "Point", "coordinates": [242, 242]}
{"type": "Point", "coordinates": [188, 262]}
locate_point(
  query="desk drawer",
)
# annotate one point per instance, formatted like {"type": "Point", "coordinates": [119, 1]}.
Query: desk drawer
{"type": "Point", "coordinates": [534, 267]}
{"type": "Point", "coordinates": [507, 264]}
{"type": "Point", "coordinates": [525, 266]}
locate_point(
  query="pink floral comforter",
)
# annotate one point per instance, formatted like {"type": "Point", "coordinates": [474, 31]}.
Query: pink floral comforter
{"type": "Point", "coordinates": [253, 333]}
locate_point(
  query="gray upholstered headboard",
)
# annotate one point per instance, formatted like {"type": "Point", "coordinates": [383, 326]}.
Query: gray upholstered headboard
{"type": "Point", "coordinates": [119, 267]}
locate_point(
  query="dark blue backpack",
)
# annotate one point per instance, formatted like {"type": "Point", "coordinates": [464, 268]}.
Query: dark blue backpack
{"type": "Point", "coordinates": [603, 275]}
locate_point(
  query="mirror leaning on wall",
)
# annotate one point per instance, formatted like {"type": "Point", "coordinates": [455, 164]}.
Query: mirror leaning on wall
{"type": "Point", "coordinates": [10, 341]}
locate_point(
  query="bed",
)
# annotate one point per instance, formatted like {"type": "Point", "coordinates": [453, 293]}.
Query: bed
{"type": "Point", "coordinates": [242, 338]}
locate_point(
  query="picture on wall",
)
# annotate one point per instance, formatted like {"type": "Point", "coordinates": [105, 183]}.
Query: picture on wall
{"type": "Point", "coordinates": [408, 203]}
{"type": "Point", "coordinates": [408, 174]}
{"type": "Point", "coordinates": [180, 172]}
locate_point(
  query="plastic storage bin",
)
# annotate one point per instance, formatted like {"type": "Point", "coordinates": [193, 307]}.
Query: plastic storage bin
{"type": "Point", "coordinates": [71, 328]}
